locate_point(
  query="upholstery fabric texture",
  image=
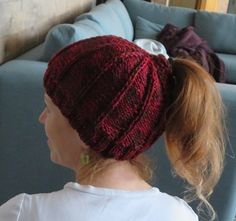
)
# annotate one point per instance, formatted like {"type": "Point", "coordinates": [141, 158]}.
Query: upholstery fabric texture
{"type": "Point", "coordinates": [222, 40]}
{"type": "Point", "coordinates": [159, 13]}
{"type": "Point", "coordinates": [108, 14]}
{"type": "Point", "coordinates": [146, 29]}
{"type": "Point", "coordinates": [64, 34]}
{"type": "Point", "coordinates": [110, 18]}
{"type": "Point", "coordinates": [230, 66]}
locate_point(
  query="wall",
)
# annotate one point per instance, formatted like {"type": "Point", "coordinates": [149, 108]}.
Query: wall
{"type": "Point", "coordinates": [223, 6]}
{"type": "Point", "coordinates": [232, 6]}
{"type": "Point", "coordinates": [181, 3]}
{"type": "Point", "coordinates": [25, 23]}
{"type": "Point", "coordinates": [165, 2]}
{"type": "Point", "coordinates": [209, 5]}
{"type": "Point", "coordinates": [214, 6]}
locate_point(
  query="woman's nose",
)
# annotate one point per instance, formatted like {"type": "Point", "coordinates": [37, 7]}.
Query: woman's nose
{"type": "Point", "coordinates": [42, 117]}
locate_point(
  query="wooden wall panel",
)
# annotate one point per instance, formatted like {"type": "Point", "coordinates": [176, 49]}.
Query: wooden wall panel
{"type": "Point", "coordinates": [181, 3]}
{"type": "Point", "coordinates": [232, 6]}
{"type": "Point", "coordinates": [213, 6]}
{"type": "Point", "coordinates": [223, 6]}
{"type": "Point", "coordinates": [165, 2]}
{"type": "Point", "coordinates": [25, 23]}
{"type": "Point", "coordinates": [209, 5]}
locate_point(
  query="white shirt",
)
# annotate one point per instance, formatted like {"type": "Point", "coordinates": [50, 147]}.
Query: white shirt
{"type": "Point", "coordinates": [88, 203]}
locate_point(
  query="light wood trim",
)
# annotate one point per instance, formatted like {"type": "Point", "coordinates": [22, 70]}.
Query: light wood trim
{"type": "Point", "coordinates": [213, 5]}
{"type": "Point", "coordinates": [201, 4]}
{"type": "Point", "coordinates": [165, 2]}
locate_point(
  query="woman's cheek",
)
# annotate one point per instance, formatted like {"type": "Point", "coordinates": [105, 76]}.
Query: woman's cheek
{"type": "Point", "coordinates": [49, 126]}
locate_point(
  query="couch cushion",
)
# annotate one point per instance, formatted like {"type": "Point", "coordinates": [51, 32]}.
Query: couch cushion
{"type": "Point", "coordinates": [146, 29]}
{"type": "Point", "coordinates": [112, 17]}
{"type": "Point", "coordinates": [230, 67]}
{"type": "Point", "coordinates": [64, 34]}
{"type": "Point", "coordinates": [219, 30]}
{"type": "Point", "coordinates": [159, 13]}
{"type": "Point", "coordinates": [124, 17]}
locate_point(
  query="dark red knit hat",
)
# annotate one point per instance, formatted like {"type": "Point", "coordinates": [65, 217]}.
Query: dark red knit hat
{"type": "Point", "coordinates": [112, 92]}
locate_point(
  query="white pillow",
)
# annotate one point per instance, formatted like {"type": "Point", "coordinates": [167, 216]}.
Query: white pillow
{"type": "Point", "coordinates": [152, 46]}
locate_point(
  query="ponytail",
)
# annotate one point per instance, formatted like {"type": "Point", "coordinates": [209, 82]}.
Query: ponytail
{"type": "Point", "coordinates": [194, 132]}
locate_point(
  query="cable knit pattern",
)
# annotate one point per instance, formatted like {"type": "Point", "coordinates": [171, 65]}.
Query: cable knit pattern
{"type": "Point", "coordinates": [113, 93]}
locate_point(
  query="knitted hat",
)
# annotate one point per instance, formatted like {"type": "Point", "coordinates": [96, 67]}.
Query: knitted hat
{"type": "Point", "coordinates": [112, 92]}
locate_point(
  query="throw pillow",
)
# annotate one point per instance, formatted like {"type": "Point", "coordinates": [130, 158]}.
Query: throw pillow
{"type": "Point", "coordinates": [146, 29]}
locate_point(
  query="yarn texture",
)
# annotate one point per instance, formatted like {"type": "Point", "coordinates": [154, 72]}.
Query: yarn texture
{"type": "Point", "coordinates": [113, 93]}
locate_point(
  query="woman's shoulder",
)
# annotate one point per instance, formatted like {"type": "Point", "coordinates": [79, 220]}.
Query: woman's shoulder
{"type": "Point", "coordinates": [177, 208]}
{"type": "Point", "coordinates": [159, 204]}
{"type": "Point", "coordinates": [23, 205]}
{"type": "Point", "coordinates": [11, 210]}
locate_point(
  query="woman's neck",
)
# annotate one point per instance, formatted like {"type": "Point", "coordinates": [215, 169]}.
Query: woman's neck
{"type": "Point", "coordinates": [118, 175]}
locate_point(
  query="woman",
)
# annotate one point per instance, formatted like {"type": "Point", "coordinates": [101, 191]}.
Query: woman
{"type": "Point", "coordinates": [107, 101]}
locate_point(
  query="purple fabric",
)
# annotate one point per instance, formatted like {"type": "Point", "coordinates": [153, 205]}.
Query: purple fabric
{"type": "Point", "coordinates": [186, 43]}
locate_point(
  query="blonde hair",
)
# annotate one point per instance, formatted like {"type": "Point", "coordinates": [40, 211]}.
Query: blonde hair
{"type": "Point", "coordinates": [194, 135]}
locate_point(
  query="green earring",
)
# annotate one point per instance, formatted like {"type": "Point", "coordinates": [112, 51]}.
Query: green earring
{"type": "Point", "coordinates": [84, 158]}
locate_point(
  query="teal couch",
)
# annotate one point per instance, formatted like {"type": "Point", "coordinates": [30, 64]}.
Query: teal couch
{"type": "Point", "coordinates": [24, 157]}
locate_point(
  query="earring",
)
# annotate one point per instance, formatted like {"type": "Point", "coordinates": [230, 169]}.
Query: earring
{"type": "Point", "coordinates": [84, 158]}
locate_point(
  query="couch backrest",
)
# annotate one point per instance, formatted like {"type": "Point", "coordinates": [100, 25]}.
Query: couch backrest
{"type": "Point", "coordinates": [218, 29]}
{"type": "Point", "coordinates": [159, 13]}
{"type": "Point", "coordinates": [112, 17]}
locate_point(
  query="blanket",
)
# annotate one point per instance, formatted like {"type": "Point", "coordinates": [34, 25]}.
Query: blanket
{"type": "Point", "coordinates": [185, 43]}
